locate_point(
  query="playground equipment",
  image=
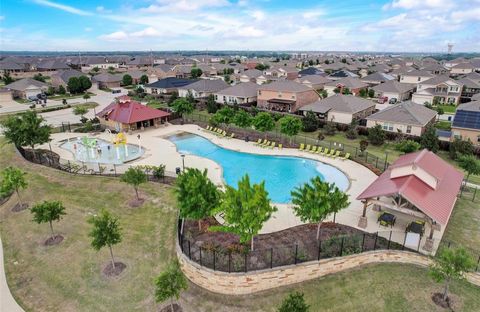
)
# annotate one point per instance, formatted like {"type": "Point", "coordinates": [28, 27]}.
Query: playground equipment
{"type": "Point", "coordinates": [120, 139]}
{"type": "Point", "coordinates": [90, 145]}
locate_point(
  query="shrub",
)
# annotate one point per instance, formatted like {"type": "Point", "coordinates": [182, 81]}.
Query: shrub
{"type": "Point", "coordinates": [407, 146]}
{"type": "Point", "coordinates": [460, 147]}
{"type": "Point", "coordinates": [376, 135]}
{"type": "Point", "coordinates": [310, 122]}
{"type": "Point", "coordinates": [294, 302]}
{"type": "Point", "coordinates": [330, 128]}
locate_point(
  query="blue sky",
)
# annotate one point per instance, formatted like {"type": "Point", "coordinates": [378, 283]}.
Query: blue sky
{"type": "Point", "coordinates": [377, 25]}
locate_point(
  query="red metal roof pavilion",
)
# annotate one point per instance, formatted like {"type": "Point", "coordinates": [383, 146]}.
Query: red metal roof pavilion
{"type": "Point", "coordinates": [129, 111]}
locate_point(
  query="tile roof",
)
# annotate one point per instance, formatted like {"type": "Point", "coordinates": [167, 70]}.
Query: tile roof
{"type": "Point", "coordinates": [406, 113]}
{"type": "Point", "coordinates": [382, 77]}
{"type": "Point", "coordinates": [438, 202]}
{"type": "Point", "coordinates": [130, 112]}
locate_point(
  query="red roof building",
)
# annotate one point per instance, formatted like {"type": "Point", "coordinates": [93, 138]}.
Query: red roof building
{"type": "Point", "coordinates": [419, 184]}
{"type": "Point", "coordinates": [128, 115]}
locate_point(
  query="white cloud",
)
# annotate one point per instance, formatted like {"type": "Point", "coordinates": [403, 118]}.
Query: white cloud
{"type": "Point", "coordinates": [62, 7]}
{"type": "Point", "coordinates": [258, 15]}
{"type": "Point", "coordinates": [313, 14]}
{"type": "Point", "coordinates": [183, 5]}
{"type": "Point", "coordinates": [415, 4]}
{"type": "Point", "coordinates": [147, 32]}
{"type": "Point", "coordinates": [468, 15]}
{"type": "Point", "coordinates": [115, 36]}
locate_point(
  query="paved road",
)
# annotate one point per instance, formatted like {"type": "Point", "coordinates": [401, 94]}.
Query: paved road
{"type": "Point", "coordinates": [7, 303]}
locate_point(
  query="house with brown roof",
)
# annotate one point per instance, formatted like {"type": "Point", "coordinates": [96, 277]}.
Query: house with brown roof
{"type": "Point", "coordinates": [285, 96]}
{"type": "Point", "coordinates": [250, 75]}
{"type": "Point", "coordinates": [441, 89]}
{"type": "Point", "coordinates": [60, 78]}
{"type": "Point", "coordinates": [415, 76]}
{"type": "Point", "coordinates": [341, 108]}
{"type": "Point", "coordinates": [202, 88]}
{"type": "Point", "coordinates": [315, 82]}
{"type": "Point", "coordinates": [394, 90]}
{"type": "Point", "coordinates": [107, 80]}
{"type": "Point", "coordinates": [352, 84]}
{"type": "Point", "coordinates": [25, 88]}
{"type": "Point", "coordinates": [244, 93]}
{"type": "Point", "coordinates": [406, 117]}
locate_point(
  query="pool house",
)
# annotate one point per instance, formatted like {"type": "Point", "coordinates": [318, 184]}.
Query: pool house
{"type": "Point", "coordinates": [414, 197]}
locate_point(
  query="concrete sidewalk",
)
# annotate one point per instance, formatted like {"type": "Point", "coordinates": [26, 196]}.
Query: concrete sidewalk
{"type": "Point", "coordinates": [7, 303]}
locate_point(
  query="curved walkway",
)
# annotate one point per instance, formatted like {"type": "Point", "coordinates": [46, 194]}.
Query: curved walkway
{"type": "Point", "coordinates": [7, 302]}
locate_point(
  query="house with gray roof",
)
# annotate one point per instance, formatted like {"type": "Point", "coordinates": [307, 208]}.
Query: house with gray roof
{"type": "Point", "coordinates": [405, 117]}
{"type": "Point", "coordinates": [441, 89]}
{"type": "Point", "coordinates": [377, 78]}
{"type": "Point", "coordinates": [244, 93]}
{"type": "Point", "coordinates": [466, 123]}
{"type": "Point", "coordinates": [285, 96]}
{"type": "Point", "coordinates": [25, 88]}
{"type": "Point", "coordinates": [354, 85]}
{"type": "Point", "coordinates": [250, 75]}
{"type": "Point", "coordinates": [203, 88]}
{"type": "Point", "coordinates": [167, 85]}
{"type": "Point", "coordinates": [61, 78]}
{"type": "Point", "coordinates": [394, 90]}
{"type": "Point", "coordinates": [10, 67]}
{"type": "Point", "coordinates": [341, 108]}
{"type": "Point", "coordinates": [415, 76]}
{"type": "Point", "coordinates": [52, 65]}
{"type": "Point", "coordinates": [315, 82]}
{"type": "Point", "coordinates": [107, 80]}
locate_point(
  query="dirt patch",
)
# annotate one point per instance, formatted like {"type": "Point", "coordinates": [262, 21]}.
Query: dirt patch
{"type": "Point", "coordinates": [438, 300]}
{"type": "Point", "coordinates": [110, 271]}
{"type": "Point", "coordinates": [54, 240]}
{"type": "Point", "coordinates": [135, 203]}
{"type": "Point", "coordinates": [5, 198]}
{"type": "Point", "coordinates": [168, 308]}
{"type": "Point", "coordinates": [19, 207]}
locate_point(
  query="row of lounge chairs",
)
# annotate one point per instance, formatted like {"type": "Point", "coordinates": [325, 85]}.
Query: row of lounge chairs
{"type": "Point", "coordinates": [324, 151]}
{"type": "Point", "coordinates": [268, 144]}
{"type": "Point", "coordinates": [220, 132]}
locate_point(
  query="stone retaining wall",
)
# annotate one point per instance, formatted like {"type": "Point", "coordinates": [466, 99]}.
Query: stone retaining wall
{"type": "Point", "coordinates": [251, 282]}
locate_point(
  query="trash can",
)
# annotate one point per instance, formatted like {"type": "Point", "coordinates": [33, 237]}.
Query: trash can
{"type": "Point", "coordinates": [178, 170]}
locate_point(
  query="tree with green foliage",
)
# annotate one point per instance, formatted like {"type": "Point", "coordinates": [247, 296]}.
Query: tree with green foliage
{"type": "Point", "coordinates": [346, 91]}
{"type": "Point", "coordinates": [80, 111]}
{"type": "Point", "coordinates": [12, 180]}
{"type": "Point", "coordinates": [263, 122]}
{"type": "Point", "coordinates": [429, 139]}
{"type": "Point", "coordinates": [376, 135]}
{"type": "Point", "coordinates": [262, 67]}
{"type": "Point", "coordinates": [294, 302]}
{"type": "Point", "coordinates": [127, 80]}
{"type": "Point", "coordinates": [352, 131]}
{"type": "Point", "coordinates": [144, 79]}
{"type": "Point", "coordinates": [336, 90]}
{"type": "Point", "coordinates": [212, 105]}
{"type": "Point", "coordinates": [314, 201]}
{"type": "Point", "coordinates": [290, 126]}
{"type": "Point", "coordinates": [440, 112]}
{"type": "Point", "coordinates": [329, 128]}
{"type": "Point", "coordinates": [223, 116]}
{"type": "Point", "coordinates": [310, 122]}
{"type": "Point", "coordinates": [344, 60]}
{"type": "Point", "coordinates": [61, 90]}
{"type": "Point", "coordinates": [242, 119]}
{"type": "Point", "coordinates": [7, 79]}
{"type": "Point", "coordinates": [106, 231]}
{"type": "Point", "coordinates": [407, 146]}
{"type": "Point", "coordinates": [470, 164]}
{"type": "Point", "coordinates": [190, 98]}
{"type": "Point", "coordinates": [48, 211]}
{"type": "Point", "coordinates": [449, 265]}
{"type": "Point", "coordinates": [363, 93]}
{"type": "Point", "coordinates": [371, 93]}
{"type": "Point", "coordinates": [26, 129]}
{"type": "Point", "coordinates": [245, 210]}
{"type": "Point", "coordinates": [170, 283]}
{"type": "Point", "coordinates": [74, 85]}
{"type": "Point", "coordinates": [50, 91]}
{"type": "Point", "coordinates": [134, 176]}
{"type": "Point", "coordinates": [173, 97]}
{"type": "Point", "coordinates": [459, 147]}
{"type": "Point", "coordinates": [323, 93]}
{"type": "Point", "coordinates": [198, 197]}
{"type": "Point", "coordinates": [196, 72]}
{"type": "Point", "coordinates": [96, 69]}
{"type": "Point", "coordinates": [84, 83]}
{"type": "Point", "coordinates": [363, 146]}
{"type": "Point", "coordinates": [86, 96]}
{"type": "Point", "coordinates": [39, 77]}
{"type": "Point", "coordinates": [182, 107]}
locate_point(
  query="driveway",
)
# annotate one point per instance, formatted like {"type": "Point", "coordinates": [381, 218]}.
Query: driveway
{"type": "Point", "coordinates": [7, 303]}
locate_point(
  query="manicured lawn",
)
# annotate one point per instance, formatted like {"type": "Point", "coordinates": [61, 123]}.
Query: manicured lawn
{"type": "Point", "coordinates": [156, 104]}
{"type": "Point", "coordinates": [382, 287]}
{"type": "Point", "coordinates": [68, 96]}
{"type": "Point", "coordinates": [443, 125]}
{"type": "Point", "coordinates": [464, 224]}
{"type": "Point", "coordinates": [448, 108]}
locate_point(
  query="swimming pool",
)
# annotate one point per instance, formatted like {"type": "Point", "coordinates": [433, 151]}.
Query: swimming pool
{"type": "Point", "coordinates": [281, 173]}
{"type": "Point", "coordinates": [102, 152]}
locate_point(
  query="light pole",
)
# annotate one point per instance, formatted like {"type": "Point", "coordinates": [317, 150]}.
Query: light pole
{"type": "Point", "coordinates": [183, 161]}
{"type": "Point", "coordinates": [139, 148]}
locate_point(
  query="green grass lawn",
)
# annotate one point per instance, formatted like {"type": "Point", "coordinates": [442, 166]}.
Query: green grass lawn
{"type": "Point", "coordinates": [448, 109]}
{"type": "Point", "coordinates": [68, 96]}
{"type": "Point", "coordinates": [464, 224]}
{"type": "Point", "coordinates": [156, 104]}
{"type": "Point", "coordinates": [443, 125]}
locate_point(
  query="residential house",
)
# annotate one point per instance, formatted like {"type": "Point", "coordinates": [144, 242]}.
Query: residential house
{"type": "Point", "coordinates": [353, 84]}
{"type": "Point", "coordinates": [341, 108]}
{"type": "Point", "coordinates": [284, 72]}
{"type": "Point", "coordinates": [107, 80]}
{"type": "Point", "coordinates": [11, 67]}
{"type": "Point", "coordinates": [90, 63]}
{"type": "Point", "coordinates": [311, 71]}
{"type": "Point", "coordinates": [471, 86]}
{"type": "Point", "coordinates": [377, 78]}
{"type": "Point", "coordinates": [435, 69]}
{"type": "Point", "coordinates": [167, 85]}
{"type": "Point", "coordinates": [405, 117]}
{"type": "Point", "coordinates": [462, 69]}
{"type": "Point", "coordinates": [315, 82]}
{"type": "Point", "coordinates": [341, 74]}
{"type": "Point", "coordinates": [25, 88]}
{"type": "Point", "coordinates": [52, 65]}
{"type": "Point", "coordinates": [250, 75]}
{"type": "Point", "coordinates": [127, 115]}
{"type": "Point", "coordinates": [441, 89]}
{"type": "Point", "coordinates": [244, 93]}
{"type": "Point", "coordinates": [394, 90]}
{"type": "Point", "coordinates": [285, 96]}
{"type": "Point", "coordinates": [466, 123]}
{"type": "Point", "coordinates": [202, 88]}
{"type": "Point", "coordinates": [61, 78]}
{"type": "Point", "coordinates": [415, 76]}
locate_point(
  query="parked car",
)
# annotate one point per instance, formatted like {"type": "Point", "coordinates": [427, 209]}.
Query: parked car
{"type": "Point", "coordinates": [382, 99]}
{"type": "Point", "coordinates": [114, 91]}
{"type": "Point", "coordinates": [392, 101]}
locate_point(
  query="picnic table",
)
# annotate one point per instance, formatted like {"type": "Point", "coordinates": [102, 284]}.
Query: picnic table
{"type": "Point", "coordinates": [387, 219]}
{"type": "Point", "coordinates": [416, 227]}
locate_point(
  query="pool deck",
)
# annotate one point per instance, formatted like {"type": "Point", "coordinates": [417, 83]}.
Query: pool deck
{"type": "Point", "coordinates": [159, 150]}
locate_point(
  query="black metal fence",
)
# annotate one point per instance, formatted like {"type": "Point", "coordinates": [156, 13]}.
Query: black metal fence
{"type": "Point", "coordinates": [234, 260]}
{"type": "Point", "coordinates": [470, 192]}
{"type": "Point", "coordinates": [379, 162]}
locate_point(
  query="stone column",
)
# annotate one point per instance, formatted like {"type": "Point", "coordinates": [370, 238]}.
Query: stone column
{"type": "Point", "coordinates": [362, 221]}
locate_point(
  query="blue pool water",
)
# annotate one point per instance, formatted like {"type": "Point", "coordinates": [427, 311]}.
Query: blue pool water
{"type": "Point", "coordinates": [281, 173]}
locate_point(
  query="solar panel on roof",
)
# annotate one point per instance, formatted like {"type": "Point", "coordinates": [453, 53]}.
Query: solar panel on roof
{"type": "Point", "coordinates": [467, 119]}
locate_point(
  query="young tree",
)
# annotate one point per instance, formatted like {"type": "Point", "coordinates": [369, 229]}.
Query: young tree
{"type": "Point", "coordinates": [84, 83]}
{"type": "Point", "coordinates": [376, 135]}
{"type": "Point", "coordinates": [7, 79]}
{"type": "Point", "coordinates": [470, 164]}
{"type": "Point", "coordinates": [440, 112]}
{"type": "Point", "coordinates": [212, 105]}
{"type": "Point", "coordinates": [310, 122]}
{"type": "Point", "coordinates": [50, 90]}
{"type": "Point", "coordinates": [460, 147]}
{"type": "Point", "coordinates": [26, 129]}
{"type": "Point", "coordinates": [314, 201]}
{"type": "Point", "coordinates": [105, 232]}
{"type": "Point", "coordinates": [330, 128]}
{"type": "Point", "coordinates": [74, 85]}
{"type": "Point", "coordinates": [39, 77]}
{"type": "Point", "coordinates": [96, 69]}
{"type": "Point", "coordinates": [190, 98]}
{"type": "Point", "coordinates": [324, 94]}
{"type": "Point", "coordinates": [127, 80]}
{"type": "Point", "coordinates": [407, 146]}
{"type": "Point", "coordinates": [290, 126]}
{"type": "Point", "coordinates": [13, 179]}
{"type": "Point", "coordinates": [352, 132]}
{"type": "Point", "coordinates": [144, 79]}
{"type": "Point", "coordinates": [86, 96]}
{"type": "Point", "coordinates": [197, 196]}
{"type": "Point", "coordinates": [363, 93]}
{"type": "Point", "coordinates": [48, 211]}
{"type": "Point", "coordinates": [363, 145]}
{"type": "Point", "coordinates": [183, 107]}
{"type": "Point", "coordinates": [263, 122]}
{"type": "Point", "coordinates": [294, 302]}
{"type": "Point", "coordinates": [170, 283]}
{"type": "Point", "coordinates": [61, 90]}
{"type": "Point", "coordinates": [451, 264]}
{"type": "Point", "coordinates": [80, 111]}
{"type": "Point", "coordinates": [196, 72]}
{"type": "Point", "coordinates": [173, 97]}
{"type": "Point", "coordinates": [245, 209]}
{"type": "Point", "coordinates": [134, 176]}
{"type": "Point", "coordinates": [242, 119]}
{"type": "Point", "coordinates": [371, 93]}
{"type": "Point", "coordinates": [346, 91]}
{"type": "Point", "coordinates": [429, 139]}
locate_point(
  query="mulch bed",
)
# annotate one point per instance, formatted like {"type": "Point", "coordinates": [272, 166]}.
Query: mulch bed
{"type": "Point", "coordinates": [19, 207]}
{"type": "Point", "coordinates": [135, 203]}
{"type": "Point", "coordinates": [438, 300]}
{"type": "Point", "coordinates": [168, 308]}
{"type": "Point", "coordinates": [54, 240]}
{"type": "Point", "coordinates": [109, 271]}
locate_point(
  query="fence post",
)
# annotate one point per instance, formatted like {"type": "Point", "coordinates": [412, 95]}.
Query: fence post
{"type": "Point", "coordinates": [375, 244]}
{"type": "Point", "coordinates": [83, 167]}
{"type": "Point", "coordinates": [363, 241]}
{"type": "Point", "coordinates": [376, 163]}
{"type": "Point", "coordinates": [214, 256]}
{"type": "Point", "coordinates": [189, 250]}
{"type": "Point", "coordinates": [69, 167]}
{"type": "Point", "coordinates": [474, 193]}
{"type": "Point", "coordinates": [271, 258]}
{"type": "Point", "coordinates": [366, 157]}
{"type": "Point", "coordinates": [229, 262]}
{"type": "Point", "coordinates": [246, 255]}
{"type": "Point", "coordinates": [296, 252]}
{"type": "Point", "coordinates": [319, 249]}
{"type": "Point", "coordinates": [356, 150]}
{"type": "Point", "coordinates": [341, 246]}
{"type": "Point", "coordinates": [200, 256]}
{"type": "Point", "coordinates": [389, 240]}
